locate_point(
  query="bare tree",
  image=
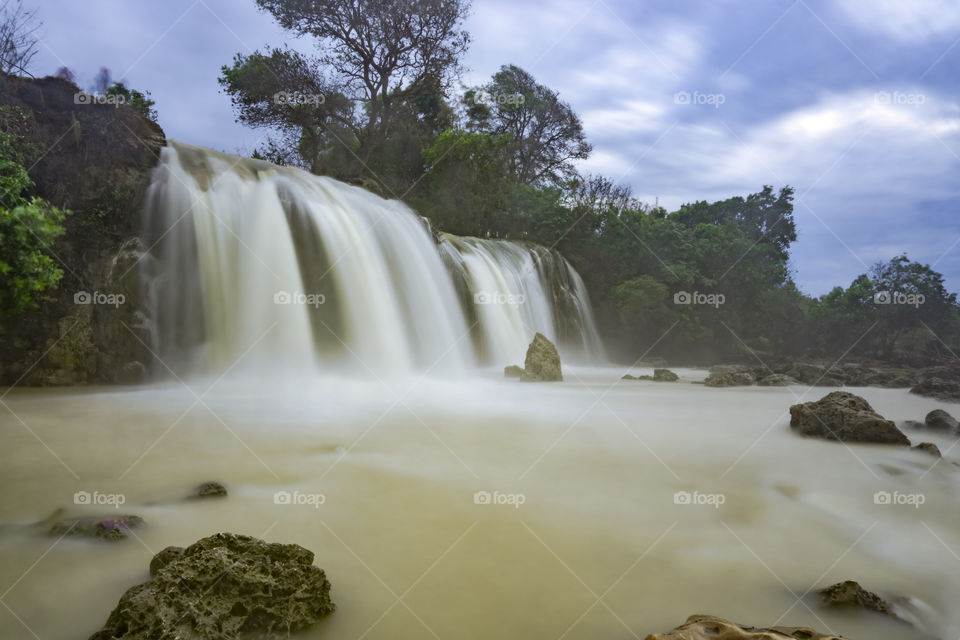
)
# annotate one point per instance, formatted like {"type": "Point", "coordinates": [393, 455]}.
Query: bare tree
{"type": "Point", "coordinates": [18, 36]}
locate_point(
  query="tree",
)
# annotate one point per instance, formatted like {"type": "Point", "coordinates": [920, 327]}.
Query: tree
{"type": "Point", "coordinates": [140, 102]}
{"type": "Point", "coordinates": [28, 227]}
{"type": "Point", "coordinates": [375, 50]}
{"type": "Point", "coordinates": [546, 136]}
{"type": "Point", "coordinates": [18, 36]}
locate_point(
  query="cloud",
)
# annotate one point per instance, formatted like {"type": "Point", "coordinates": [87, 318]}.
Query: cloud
{"type": "Point", "coordinates": [905, 20]}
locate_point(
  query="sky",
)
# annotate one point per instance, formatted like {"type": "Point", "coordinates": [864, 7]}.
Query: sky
{"type": "Point", "coordinates": [854, 103]}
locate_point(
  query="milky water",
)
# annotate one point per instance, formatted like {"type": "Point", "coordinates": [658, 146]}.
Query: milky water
{"type": "Point", "coordinates": [587, 540]}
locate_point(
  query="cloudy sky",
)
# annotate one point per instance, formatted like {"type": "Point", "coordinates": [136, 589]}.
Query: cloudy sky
{"type": "Point", "coordinates": [855, 103]}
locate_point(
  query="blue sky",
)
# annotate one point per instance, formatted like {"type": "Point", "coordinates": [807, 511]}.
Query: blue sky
{"type": "Point", "coordinates": [854, 103]}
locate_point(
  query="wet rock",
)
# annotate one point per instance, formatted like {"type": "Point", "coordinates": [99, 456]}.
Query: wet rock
{"type": "Point", "coordinates": [912, 424]}
{"type": "Point", "coordinates": [939, 388]}
{"type": "Point", "coordinates": [109, 527]}
{"type": "Point", "coordinates": [929, 447]}
{"type": "Point", "coordinates": [844, 417]}
{"type": "Point", "coordinates": [665, 375]}
{"type": "Point", "coordinates": [543, 361]}
{"type": "Point", "coordinates": [941, 421]}
{"type": "Point", "coordinates": [778, 380]}
{"type": "Point", "coordinates": [730, 379]}
{"type": "Point", "coordinates": [850, 593]}
{"type": "Point", "coordinates": [209, 490]}
{"type": "Point", "coordinates": [513, 371]}
{"type": "Point", "coordinates": [700, 627]}
{"type": "Point", "coordinates": [627, 376]}
{"type": "Point", "coordinates": [165, 557]}
{"type": "Point", "coordinates": [222, 587]}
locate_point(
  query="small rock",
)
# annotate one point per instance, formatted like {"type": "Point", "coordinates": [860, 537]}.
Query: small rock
{"type": "Point", "coordinates": [543, 361]}
{"type": "Point", "coordinates": [627, 376]}
{"type": "Point", "coordinates": [665, 375]}
{"type": "Point", "coordinates": [209, 490]}
{"type": "Point", "coordinates": [941, 421]}
{"type": "Point", "coordinates": [912, 424]}
{"type": "Point", "coordinates": [731, 379]}
{"type": "Point", "coordinates": [701, 627]}
{"type": "Point", "coordinates": [851, 593]}
{"type": "Point", "coordinates": [512, 371]}
{"type": "Point", "coordinates": [778, 380]}
{"type": "Point", "coordinates": [844, 417]}
{"type": "Point", "coordinates": [111, 528]}
{"type": "Point", "coordinates": [929, 447]}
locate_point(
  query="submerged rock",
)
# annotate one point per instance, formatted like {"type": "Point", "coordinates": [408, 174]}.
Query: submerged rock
{"type": "Point", "coordinates": [941, 421]}
{"type": "Point", "coordinates": [627, 376]}
{"type": "Point", "coordinates": [929, 447]}
{"type": "Point", "coordinates": [778, 380]}
{"type": "Point", "coordinates": [109, 527]}
{"type": "Point", "coordinates": [223, 587]}
{"type": "Point", "coordinates": [543, 361]}
{"type": "Point", "coordinates": [209, 490]}
{"type": "Point", "coordinates": [665, 375]}
{"type": "Point", "coordinates": [730, 379]}
{"type": "Point", "coordinates": [700, 627]}
{"type": "Point", "coordinates": [850, 593]}
{"type": "Point", "coordinates": [844, 417]}
{"type": "Point", "coordinates": [513, 371]}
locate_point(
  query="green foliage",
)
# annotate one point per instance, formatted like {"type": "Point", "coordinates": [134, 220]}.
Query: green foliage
{"type": "Point", "coordinates": [28, 227]}
{"type": "Point", "coordinates": [136, 100]}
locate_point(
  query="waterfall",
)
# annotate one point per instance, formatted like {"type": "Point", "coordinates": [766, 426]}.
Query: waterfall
{"type": "Point", "coordinates": [262, 267]}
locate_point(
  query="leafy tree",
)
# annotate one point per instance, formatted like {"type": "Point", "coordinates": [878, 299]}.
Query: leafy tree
{"type": "Point", "coordinates": [28, 227]}
{"type": "Point", "coordinates": [546, 136]}
{"type": "Point", "coordinates": [139, 101]}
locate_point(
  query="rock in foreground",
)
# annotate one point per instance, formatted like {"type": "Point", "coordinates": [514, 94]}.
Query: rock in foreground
{"type": "Point", "coordinates": [223, 587]}
{"type": "Point", "coordinates": [712, 628]}
{"type": "Point", "coordinates": [844, 417]}
{"type": "Point", "coordinates": [543, 361]}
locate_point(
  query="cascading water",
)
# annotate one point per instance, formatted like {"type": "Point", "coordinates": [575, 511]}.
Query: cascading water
{"type": "Point", "coordinates": [256, 265]}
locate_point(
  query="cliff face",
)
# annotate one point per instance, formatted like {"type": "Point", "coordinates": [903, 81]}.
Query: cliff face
{"type": "Point", "coordinates": [97, 162]}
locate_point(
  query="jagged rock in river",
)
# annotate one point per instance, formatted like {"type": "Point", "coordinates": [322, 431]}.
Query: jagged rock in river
{"type": "Point", "coordinates": [543, 361]}
{"type": "Point", "coordinates": [209, 489]}
{"type": "Point", "coordinates": [700, 627]}
{"type": "Point", "coordinates": [512, 371]}
{"type": "Point", "coordinates": [223, 587]}
{"type": "Point", "coordinates": [850, 593]}
{"type": "Point", "coordinates": [844, 417]}
{"type": "Point", "coordinates": [929, 447]}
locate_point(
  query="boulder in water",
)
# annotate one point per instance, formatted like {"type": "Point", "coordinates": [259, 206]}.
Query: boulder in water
{"type": "Point", "coordinates": [778, 380]}
{"type": "Point", "coordinates": [844, 417]}
{"type": "Point", "coordinates": [665, 375]}
{"type": "Point", "coordinates": [103, 527]}
{"type": "Point", "coordinates": [941, 421]}
{"type": "Point", "coordinates": [939, 388]}
{"type": "Point", "coordinates": [730, 379]}
{"type": "Point", "coordinates": [221, 587]}
{"type": "Point", "coordinates": [929, 447]}
{"type": "Point", "coordinates": [850, 593]}
{"type": "Point", "coordinates": [543, 361]}
{"type": "Point", "coordinates": [513, 371]}
{"type": "Point", "coordinates": [701, 627]}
